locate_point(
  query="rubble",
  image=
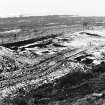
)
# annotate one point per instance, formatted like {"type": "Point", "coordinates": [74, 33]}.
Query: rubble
{"type": "Point", "coordinates": [45, 60]}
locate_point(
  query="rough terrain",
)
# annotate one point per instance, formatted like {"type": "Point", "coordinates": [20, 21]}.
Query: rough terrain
{"type": "Point", "coordinates": [55, 64]}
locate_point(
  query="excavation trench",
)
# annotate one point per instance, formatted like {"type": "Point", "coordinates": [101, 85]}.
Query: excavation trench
{"type": "Point", "coordinates": [16, 45]}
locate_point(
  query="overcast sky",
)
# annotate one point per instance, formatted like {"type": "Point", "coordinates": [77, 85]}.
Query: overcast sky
{"type": "Point", "coordinates": [52, 7]}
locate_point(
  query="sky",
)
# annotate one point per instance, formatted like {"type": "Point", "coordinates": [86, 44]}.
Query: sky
{"type": "Point", "coordinates": [10, 8]}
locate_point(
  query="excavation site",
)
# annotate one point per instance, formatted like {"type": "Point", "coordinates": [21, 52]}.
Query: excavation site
{"type": "Point", "coordinates": [60, 61]}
